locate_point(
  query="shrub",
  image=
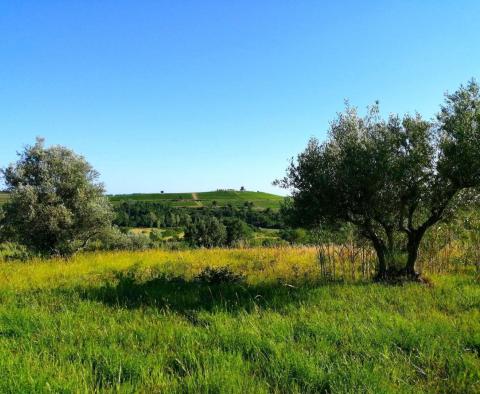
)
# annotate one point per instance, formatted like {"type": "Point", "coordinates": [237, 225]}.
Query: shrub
{"type": "Point", "coordinates": [14, 251]}
{"type": "Point", "coordinates": [206, 232]}
{"type": "Point", "coordinates": [115, 239]}
{"type": "Point", "coordinates": [155, 235]}
{"type": "Point", "coordinates": [297, 236]}
{"type": "Point", "coordinates": [237, 230]}
{"type": "Point", "coordinates": [218, 275]}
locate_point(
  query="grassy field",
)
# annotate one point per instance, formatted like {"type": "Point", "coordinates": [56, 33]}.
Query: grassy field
{"type": "Point", "coordinates": [136, 321]}
{"type": "Point", "coordinates": [195, 200]}
{"type": "Point", "coordinates": [222, 198]}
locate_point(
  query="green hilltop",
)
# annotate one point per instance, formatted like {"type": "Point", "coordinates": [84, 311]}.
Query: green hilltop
{"type": "Point", "coordinates": [219, 198]}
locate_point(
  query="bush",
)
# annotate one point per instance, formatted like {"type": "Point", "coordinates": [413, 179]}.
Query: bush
{"type": "Point", "coordinates": [237, 230]}
{"type": "Point", "coordinates": [115, 239]}
{"type": "Point", "coordinates": [14, 251]}
{"type": "Point", "coordinates": [297, 236]}
{"type": "Point", "coordinates": [273, 242]}
{"type": "Point", "coordinates": [155, 235]}
{"type": "Point", "coordinates": [218, 275]}
{"type": "Point", "coordinates": [169, 233]}
{"type": "Point", "coordinates": [206, 232]}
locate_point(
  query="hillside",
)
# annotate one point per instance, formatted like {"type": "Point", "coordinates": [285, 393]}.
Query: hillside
{"type": "Point", "coordinates": [220, 198]}
{"type": "Point", "coordinates": [195, 200]}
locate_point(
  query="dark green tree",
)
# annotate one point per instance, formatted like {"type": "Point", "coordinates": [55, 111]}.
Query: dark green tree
{"type": "Point", "coordinates": [206, 232]}
{"type": "Point", "coordinates": [295, 236]}
{"type": "Point", "coordinates": [237, 230]}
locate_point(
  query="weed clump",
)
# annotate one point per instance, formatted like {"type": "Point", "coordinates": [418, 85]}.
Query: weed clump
{"type": "Point", "coordinates": [218, 275]}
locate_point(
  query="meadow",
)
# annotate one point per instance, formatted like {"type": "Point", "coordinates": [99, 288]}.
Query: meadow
{"type": "Point", "coordinates": [147, 322]}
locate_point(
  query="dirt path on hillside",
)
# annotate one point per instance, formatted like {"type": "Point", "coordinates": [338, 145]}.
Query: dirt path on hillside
{"type": "Point", "coordinates": [196, 199]}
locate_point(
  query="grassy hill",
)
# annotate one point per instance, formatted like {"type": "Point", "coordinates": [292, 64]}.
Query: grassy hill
{"type": "Point", "coordinates": [221, 198]}
{"type": "Point", "coordinates": [194, 200]}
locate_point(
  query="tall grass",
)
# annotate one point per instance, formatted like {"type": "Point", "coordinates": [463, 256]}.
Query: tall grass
{"type": "Point", "coordinates": [139, 322]}
{"type": "Point", "coordinates": [350, 261]}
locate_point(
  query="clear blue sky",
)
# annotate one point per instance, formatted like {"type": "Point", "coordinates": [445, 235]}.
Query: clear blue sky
{"type": "Point", "coordinates": [198, 95]}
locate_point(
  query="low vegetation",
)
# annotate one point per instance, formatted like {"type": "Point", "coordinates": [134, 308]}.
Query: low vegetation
{"type": "Point", "coordinates": [154, 214]}
{"type": "Point", "coordinates": [181, 322]}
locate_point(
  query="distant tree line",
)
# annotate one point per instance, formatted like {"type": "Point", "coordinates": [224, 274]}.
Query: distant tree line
{"type": "Point", "coordinates": [210, 232]}
{"type": "Point", "coordinates": [154, 214]}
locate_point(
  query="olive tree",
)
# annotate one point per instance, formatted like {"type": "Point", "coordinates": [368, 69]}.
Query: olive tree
{"type": "Point", "coordinates": [206, 232]}
{"type": "Point", "coordinates": [237, 230]}
{"type": "Point", "coordinates": [56, 204]}
{"type": "Point", "coordinates": [392, 178]}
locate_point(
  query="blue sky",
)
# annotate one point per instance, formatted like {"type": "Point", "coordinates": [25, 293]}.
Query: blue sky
{"type": "Point", "coordinates": [199, 95]}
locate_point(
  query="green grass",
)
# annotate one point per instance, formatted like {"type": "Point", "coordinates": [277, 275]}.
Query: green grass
{"type": "Point", "coordinates": [237, 199]}
{"type": "Point", "coordinates": [222, 198]}
{"type": "Point", "coordinates": [113, 322]}
{"type": "Point", "coordinates": [152, 197]}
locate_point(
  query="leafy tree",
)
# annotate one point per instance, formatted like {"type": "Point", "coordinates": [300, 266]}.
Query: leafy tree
{"type": "Point", "coordinates": [237, 230]}
{"type": "Point", "coordinates": [206, 232]}
{"type": "Point", "coordinates": [56, 205]}
{"type": "Point", "coordinates": [393, 179]}
{"type": "Point", "coordinates": [295, 236]}
{"type": "Point", "coordinates": [143, 213]}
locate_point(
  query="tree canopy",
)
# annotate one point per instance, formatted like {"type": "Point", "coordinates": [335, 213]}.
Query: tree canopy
{"type": "Point", "coordinates": [56, 204]}
{"type": "Point", "coordinates": [393, 178]}
{"type": "Point", "coordinates": [206, 232]}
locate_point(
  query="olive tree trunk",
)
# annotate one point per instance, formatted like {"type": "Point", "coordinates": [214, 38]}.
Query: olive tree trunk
{"type": "Point", "coordinates": [413, 245]}
{"type": "Point", "coordinates": [381, 252]}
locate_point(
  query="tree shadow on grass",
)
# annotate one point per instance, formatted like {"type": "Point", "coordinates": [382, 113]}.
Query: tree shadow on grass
{"type": "Point", "coordinates": [187, 296]}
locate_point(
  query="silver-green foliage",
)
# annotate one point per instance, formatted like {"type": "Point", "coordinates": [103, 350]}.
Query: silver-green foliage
{"type": "Point", "coordinates": [393, 179]}
{"type": "Point", "coordinates": [56, 203]}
